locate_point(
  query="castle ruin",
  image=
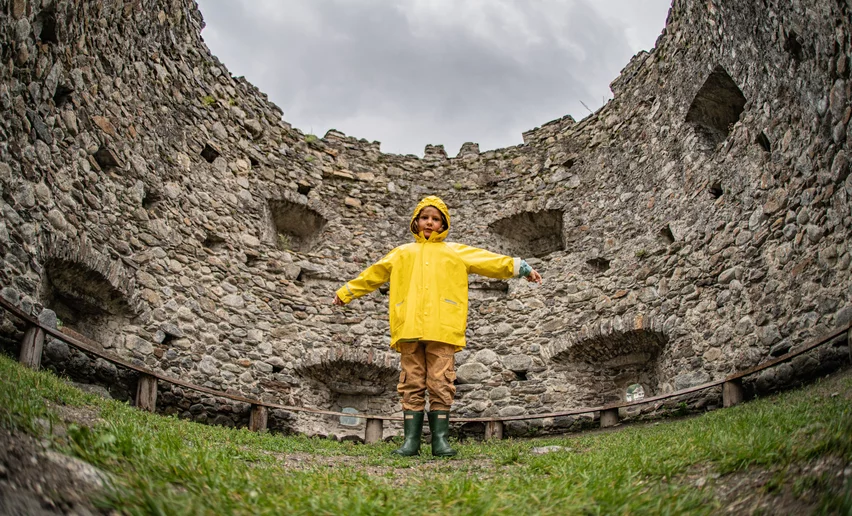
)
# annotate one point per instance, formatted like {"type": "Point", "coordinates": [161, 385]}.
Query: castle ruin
{"type": "Point", "coordinates": [694, 226]}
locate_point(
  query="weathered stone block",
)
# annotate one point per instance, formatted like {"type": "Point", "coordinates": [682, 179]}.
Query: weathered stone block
{"type": "Point", "coordinates": [686, 380]}
{"type": "Point", "coordinates": [512, 410]}
{"type": "Point", "coordinates": [486, 357]}
{"type": "Point", "coordinates": [517, 363]}
{"type": "Point", "coordinates": [472, 373]}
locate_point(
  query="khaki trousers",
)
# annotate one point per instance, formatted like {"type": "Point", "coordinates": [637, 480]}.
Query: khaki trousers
{"type": "Point", "coordinates": [427, 365]}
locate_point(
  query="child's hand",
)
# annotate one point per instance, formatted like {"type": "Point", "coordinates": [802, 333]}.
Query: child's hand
{"type": "Point", "coordinates": [534, 276]}
{"type": "Point", "coordinates": [337, 301]}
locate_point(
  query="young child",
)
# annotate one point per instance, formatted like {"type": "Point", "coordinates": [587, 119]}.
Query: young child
{"type": "Point", "coordinates": [428, 314]}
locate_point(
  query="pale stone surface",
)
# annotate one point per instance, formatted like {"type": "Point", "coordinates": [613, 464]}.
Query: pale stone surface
{"type": "Point", "coordinates": [517, 363]}
{"type": "Point", "coordinates": [543, 450]}
{"type": "Point", "coordinates": [472, 373]}
{"type": "Point", "coordinates": [486, 357]}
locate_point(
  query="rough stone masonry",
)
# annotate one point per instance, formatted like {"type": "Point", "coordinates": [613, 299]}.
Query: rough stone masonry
{"type": "Point", "coordinates": [696, 225]}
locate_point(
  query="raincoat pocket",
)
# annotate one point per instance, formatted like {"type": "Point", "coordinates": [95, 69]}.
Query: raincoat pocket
{"type": "Point", "coordinates": [397, 315]}
{"type": "Point", "coordinates": [453, 318]}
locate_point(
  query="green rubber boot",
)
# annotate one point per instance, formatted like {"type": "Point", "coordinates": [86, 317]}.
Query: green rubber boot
{"type": "Point", "coordinates": [413, 429]}
{"type": "Point", "coordinates": [439, 424]}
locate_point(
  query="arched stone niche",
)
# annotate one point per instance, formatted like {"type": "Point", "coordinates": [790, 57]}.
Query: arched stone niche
{"type": "Point", "coordinates": [293, 225]}
{"type": "Point", "coordinates": [341, 377]}
{"type": "Point", "coordinates": [89, 292]}
{"type": "Point", "coordinates": [351, 371]}
{"type": "Point", "coordinates": [715, 109]}
{"type": "Point", "coordinates": [615, 353]}
{"type": "Point", "coordinates": [530, 233]}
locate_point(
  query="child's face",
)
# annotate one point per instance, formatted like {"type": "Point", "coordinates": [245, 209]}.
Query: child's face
{"type": "Point", "coordinates": [429, 220]}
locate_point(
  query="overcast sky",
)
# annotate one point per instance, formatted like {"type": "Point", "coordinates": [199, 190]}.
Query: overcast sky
{"type": "Point", "coordinates": [414, 72]}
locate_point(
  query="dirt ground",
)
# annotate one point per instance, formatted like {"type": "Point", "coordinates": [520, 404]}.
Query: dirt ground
{"type": "Point", "coordinates": [482, 468]}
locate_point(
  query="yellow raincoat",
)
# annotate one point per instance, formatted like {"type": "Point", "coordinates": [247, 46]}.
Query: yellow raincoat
{"type": "Point", "coordinates": [428, 283]}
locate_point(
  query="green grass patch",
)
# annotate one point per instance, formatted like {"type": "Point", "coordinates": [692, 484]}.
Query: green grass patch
{"type": "Point", "coordinates": [163, 465]}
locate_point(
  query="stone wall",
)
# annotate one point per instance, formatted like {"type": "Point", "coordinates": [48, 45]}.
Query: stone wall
{"type": "Point", "coordinates": [694, 226]}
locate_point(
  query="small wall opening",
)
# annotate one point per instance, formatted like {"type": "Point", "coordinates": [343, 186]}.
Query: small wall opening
{"type": "Point", "coordinates": [151, 200]}
{"type": "Point", "coordinates": [531, 233]}
{"type": "Point", "coordinates": [107, 159]}
{"type": "Point", "coordinates": [634, 392]}
{"type": "Point", "coordinates": [214, 242]}
{"type": "Point", "coordinates": [304, 188]}
{"type": "Point", "coordinates": [45, 26]}
{"type": "Point", "coordinates": [62, 95]}
{"type": "Point", "coordinates": [350, 420]}
{"type": "Point", "coordinates": [715, 109]}
{"type": "Point", "coordinates": [793, 45]}
{"type": "Point", "coordinates": [716, 190]}
{"type": "Point", "coordinates": [251, 258]}
{"type": "Point", "coordinates": [295, 226]}
{"type": "Point", "coordinates": [666, 235]}
{"type": "Point", "coordinates": [210, 153]}
{"type": "Point", "coordinates": [598, 264]}
{"type": "Point", "coordinates": [763, 141]}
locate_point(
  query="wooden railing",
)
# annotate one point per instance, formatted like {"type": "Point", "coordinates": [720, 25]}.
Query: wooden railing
{"type": "Point", "coordinates": [146, 391]}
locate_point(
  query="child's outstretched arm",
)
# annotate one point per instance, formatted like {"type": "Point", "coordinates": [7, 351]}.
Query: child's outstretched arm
{"type": "Point", "coordinates": [369, 280]}
{"type": "Point", "coordinates": [493, 265]}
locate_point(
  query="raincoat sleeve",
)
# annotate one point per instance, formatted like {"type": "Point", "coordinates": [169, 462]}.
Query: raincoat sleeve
{"type": "Point", "coordinates": [369, 280]}
{"type": "Point", "coordinates": [486, 263]}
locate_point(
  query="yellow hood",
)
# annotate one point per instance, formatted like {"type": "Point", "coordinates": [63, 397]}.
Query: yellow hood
{"type": "Point", "coordinates": [436, 202]}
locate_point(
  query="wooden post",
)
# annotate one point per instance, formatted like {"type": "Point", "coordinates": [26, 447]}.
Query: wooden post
{"type": "Point", "coordinates": [31, 347]}
{"type": "Point", "coordinates": [146, 393]}
{"type": "Point", "coordinates": [609, 417]}
{"type": "Point", "coordinates": [374, 432]}
{"type": "Point", "coordinates": [732, 393]}
{"type": "Point", "coordinates": [259, 418]}
{"type": "Point", "coordinates": [493, 430]}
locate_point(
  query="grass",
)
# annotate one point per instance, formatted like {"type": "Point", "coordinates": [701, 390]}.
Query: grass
{"type": "Point", "coordinates": [162, 465]}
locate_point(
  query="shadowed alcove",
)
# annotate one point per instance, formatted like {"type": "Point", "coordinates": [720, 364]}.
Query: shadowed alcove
{"type": "Point", "coordinates": [293, 225]}
{"type": "Point", "coordinates": [715, 109]}
{"type": "Point", "coordinates": [614, 355]}
{"type": "Point", "coordinates": [90, 293]}
{"type": "Point", "coordinates": [344, 377]}
{"type": "Point", "coordinates": [530, 233]}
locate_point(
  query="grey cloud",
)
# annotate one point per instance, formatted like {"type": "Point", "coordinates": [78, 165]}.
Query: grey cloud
{"type": "Point", "coordinates": [448, 85]}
